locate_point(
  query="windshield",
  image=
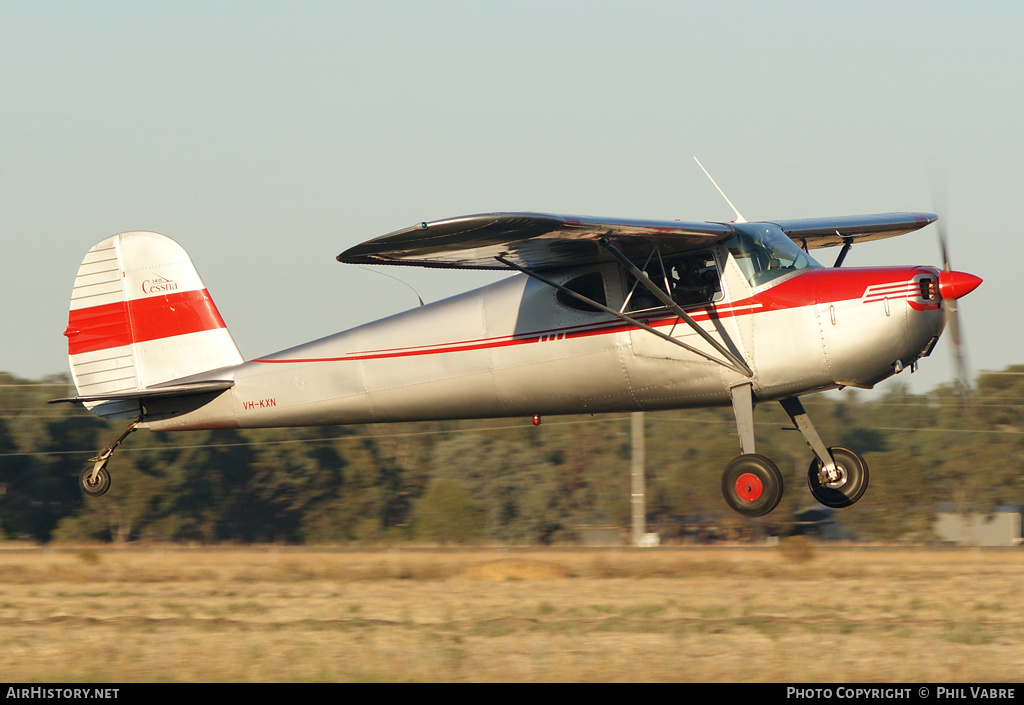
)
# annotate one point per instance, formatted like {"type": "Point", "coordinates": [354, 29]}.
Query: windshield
{"type": "Point", "coordinates": [763, 252]}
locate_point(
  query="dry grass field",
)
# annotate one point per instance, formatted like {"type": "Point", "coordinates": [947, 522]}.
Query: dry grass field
{"type": "Point", "coordinates": [790, 614]}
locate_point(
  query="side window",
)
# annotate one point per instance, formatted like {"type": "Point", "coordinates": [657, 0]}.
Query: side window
{"type": "Point", "coordinates": [694, 279]}
{"type": "Point", "coordinates": [689, 279]}
{"type": "Point", "coordinates": [590, 285]}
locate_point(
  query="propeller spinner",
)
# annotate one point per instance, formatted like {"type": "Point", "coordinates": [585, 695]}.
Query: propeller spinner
{"type": "Point", "coordinates": [954, 285]}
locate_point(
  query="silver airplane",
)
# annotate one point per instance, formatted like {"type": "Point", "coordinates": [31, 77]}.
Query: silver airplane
{"type": "Point", "coordinates": [602, 315]}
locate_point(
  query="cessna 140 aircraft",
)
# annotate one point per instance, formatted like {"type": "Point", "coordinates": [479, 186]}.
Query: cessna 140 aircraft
{"type": "Point", "coordinates": [605, 315]}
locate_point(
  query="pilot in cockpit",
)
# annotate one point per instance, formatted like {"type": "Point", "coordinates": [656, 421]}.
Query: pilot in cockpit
{"type": "Point", "coordinates": [692, 280]}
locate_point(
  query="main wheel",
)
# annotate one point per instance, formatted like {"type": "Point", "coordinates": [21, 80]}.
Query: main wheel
{"type": "Point", "coordinates": [97, 487]}
{"type": "Point", "coordinates": [752, 485]}
{"type": "Point", "coordinates": [852, 482]}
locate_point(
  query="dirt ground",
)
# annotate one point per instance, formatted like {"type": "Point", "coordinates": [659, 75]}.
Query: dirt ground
{"type": "Point", "coordinates": [790, 614]}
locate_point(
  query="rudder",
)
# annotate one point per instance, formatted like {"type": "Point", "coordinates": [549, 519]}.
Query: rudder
{"type": "Point", "coordinates": [141, 316]}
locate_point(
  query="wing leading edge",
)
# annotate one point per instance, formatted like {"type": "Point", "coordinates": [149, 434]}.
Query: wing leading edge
{"type": "Point", "coordinates": [535, 240]}
{"type": "Point", "coordinates": [540, 241]}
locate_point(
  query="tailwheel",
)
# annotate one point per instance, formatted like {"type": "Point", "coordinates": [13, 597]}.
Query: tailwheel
{"type": "Point", "coordinates": [94, 487]}
{"type": "Point", "coordinates": [752, 485]}
{"type": "Point", "coordinates": [845, 489]}
{"type": "Point", "coordinates": [95, 479]}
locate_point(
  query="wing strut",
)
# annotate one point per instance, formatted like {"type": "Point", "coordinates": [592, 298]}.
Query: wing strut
{"type": "Point", "coordinates": [847, 244]}
{"type": "Point", "coordinates": [744, 370]}
{"type": "Point", "coordinates": [736, 362]}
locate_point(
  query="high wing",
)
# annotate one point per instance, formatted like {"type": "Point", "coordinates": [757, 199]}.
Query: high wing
{"type": "Point", "coordinates": [812, 233]}
{"type": "Point", "coordinates": [540, 241]}
{"type": "Point", "coordinates": [537, 241]}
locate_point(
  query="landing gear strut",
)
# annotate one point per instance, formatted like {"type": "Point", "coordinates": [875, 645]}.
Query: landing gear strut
{"type": "Point", "coordinates": [752, 484]}
{"type": "Point", "coordinates": [95, 478]}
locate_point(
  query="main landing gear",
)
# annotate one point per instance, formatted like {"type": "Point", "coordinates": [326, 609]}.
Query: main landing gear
{"type": "Point", "coordinates": [845, 486]}
{"type": "Point", "coordinates": [752, 484]}
{"type": "Point", "coordinates": [95, 478]}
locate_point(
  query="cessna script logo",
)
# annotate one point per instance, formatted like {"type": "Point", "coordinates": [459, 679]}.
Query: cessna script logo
{"type": "Point", "coordinates": [159, 285]}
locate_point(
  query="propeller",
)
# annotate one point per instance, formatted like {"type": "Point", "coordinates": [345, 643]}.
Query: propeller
{"type": "Point", "coordinates": [952, 286]}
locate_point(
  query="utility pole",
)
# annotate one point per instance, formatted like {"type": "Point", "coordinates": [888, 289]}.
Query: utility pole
{"type": "Point", "coordinates": [637, 470]}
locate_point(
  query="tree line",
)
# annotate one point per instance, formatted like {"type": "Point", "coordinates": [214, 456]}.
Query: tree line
{"type": "Point", "coordinates": [496, 481]}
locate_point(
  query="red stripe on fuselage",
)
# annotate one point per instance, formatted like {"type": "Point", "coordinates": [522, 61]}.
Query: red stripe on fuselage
{"type": "Point", "coordinates": [126, 322]}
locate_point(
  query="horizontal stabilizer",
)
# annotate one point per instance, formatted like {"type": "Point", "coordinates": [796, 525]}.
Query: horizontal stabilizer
{"type": "Point", "coordinates": [170, 390]}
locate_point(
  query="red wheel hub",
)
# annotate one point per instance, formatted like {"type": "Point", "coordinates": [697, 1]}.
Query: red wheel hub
{"type": "Point", "coordinates": [749, 487]}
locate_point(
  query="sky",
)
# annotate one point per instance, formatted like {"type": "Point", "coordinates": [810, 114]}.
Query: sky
{"type": "Point", "coordinates": [267, 137]}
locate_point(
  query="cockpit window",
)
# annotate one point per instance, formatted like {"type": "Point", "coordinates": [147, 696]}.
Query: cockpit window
{"type": "Point", "coordinates": [763, 252]}
{"type": "Point", "coordinates": [689, 279]}
{"type": "Point", "coordinates": [590, 285]}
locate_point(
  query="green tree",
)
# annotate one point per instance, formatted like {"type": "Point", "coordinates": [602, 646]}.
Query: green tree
{"type": "Point", "coordinates": [512, 484]}
{"type": "Point", "coordinates": [446, 513]}
{"type": "Point", "coordinates": [900, 501]}
{"type": "Point", "coordinates": [352, 510]}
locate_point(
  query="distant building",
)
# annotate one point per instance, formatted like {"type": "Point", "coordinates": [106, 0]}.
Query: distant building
{"type": "Point", "coordinates": [820, 523]}
{"type": "Point", "coordinates": [649, 540]}
{"type": "Point", "coordinates": [600, 536]}
{"type": "Point", "coordinates": [1000, 528]}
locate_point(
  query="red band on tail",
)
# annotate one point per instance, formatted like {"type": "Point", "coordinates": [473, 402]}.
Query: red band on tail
{"type": "Point", "coordinates": [122, 323]}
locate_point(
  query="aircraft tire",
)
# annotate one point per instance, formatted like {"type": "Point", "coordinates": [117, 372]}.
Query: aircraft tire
{"type": "Point", "coordinates": [94, 489]}
{"type": "Point", "coordinates": [752, 485]}
{"type": "Point", "coordinates": [849, 488]}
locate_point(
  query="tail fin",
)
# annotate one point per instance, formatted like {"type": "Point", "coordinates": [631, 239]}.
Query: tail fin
{"type": "Point", "coordinates": [141, 317]}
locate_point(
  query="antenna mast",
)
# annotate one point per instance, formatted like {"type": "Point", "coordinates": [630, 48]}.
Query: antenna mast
{"type": "Point", "coordinates": [739, 217]}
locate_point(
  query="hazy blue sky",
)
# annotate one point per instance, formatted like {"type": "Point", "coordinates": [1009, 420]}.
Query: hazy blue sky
{"type": "Point", "coordinates": [268, 137]}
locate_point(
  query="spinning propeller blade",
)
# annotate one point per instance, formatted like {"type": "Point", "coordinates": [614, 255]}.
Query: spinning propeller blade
{"type": "Point", "coordinates": [952, 286]}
